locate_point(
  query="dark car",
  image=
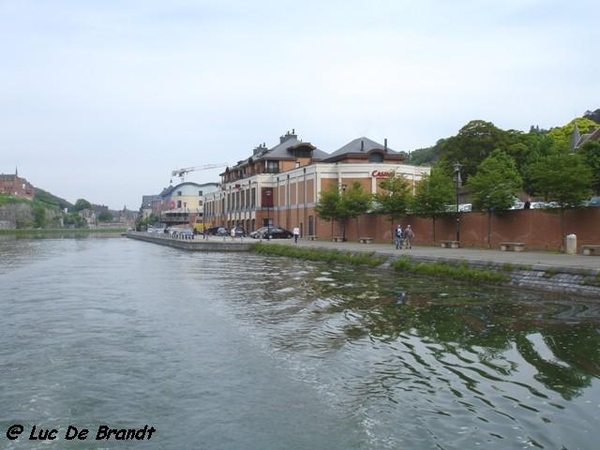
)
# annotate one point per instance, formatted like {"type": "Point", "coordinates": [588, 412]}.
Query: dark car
{"type": "Point", "coordinates": [258, 234]}
{"type": "Point", "coordinates": [216, 231]}
{"type": "Point", "coordinates": [274, 232]}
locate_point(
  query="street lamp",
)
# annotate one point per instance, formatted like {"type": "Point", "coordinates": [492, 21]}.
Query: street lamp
{"type": "Point", "coordinates": [268, 194]}
{"type": "Point", "coordinates": [458, 181]}
{"type": "Point", "coordinates": [344, 219]}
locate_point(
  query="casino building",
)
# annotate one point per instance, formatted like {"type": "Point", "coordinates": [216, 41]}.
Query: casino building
{"type": "Point", "coordinates": [281, 185]}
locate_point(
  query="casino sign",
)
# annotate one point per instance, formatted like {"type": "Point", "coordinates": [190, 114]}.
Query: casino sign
{"type": "Point", "coordinates": [381, 173]}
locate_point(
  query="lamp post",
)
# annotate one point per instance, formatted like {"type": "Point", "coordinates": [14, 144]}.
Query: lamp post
{"type": "Point", "coordinates": [268, 194]}
{"type": "Point", "coordinates": [458, 181]}
{"type": "Point", "coordinates": [343, 219]}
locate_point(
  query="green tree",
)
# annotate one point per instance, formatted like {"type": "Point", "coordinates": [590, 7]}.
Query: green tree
{"type": "Point", "coordinates": [590, 152]}
{"type": "Point", "coordinates": [105, 216]}
{"type": "Point", "coordinates": [563, 178]}
{"type": "Point", "coordinates": [473, 143]}
{"type": "Point", "coordinates": [494, 187]}
{"type": "Point", "coordinates": [395, 198]}
{"type": "Point", "coordinates": [433, 193]}
{"type": "Point", "coordinates": [74, 220]}
{"type": "Point", "coordinates": [340, 203]}
{"type": "Point", "coordinates": [327, 205]}
{"type": "Point", "coordinates": [39, 216]}
{"type": "Point", "coordinates": [354, 202]}
{"type": "Point", "coordinates": [82, 204]}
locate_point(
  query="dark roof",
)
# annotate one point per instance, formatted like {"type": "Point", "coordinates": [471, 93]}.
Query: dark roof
{"type": "Point", "coordinates": [286, 149]}
{"type": "Point", "coordinates": [591, 136]}
{"type": "Point", "coordinates": [361, 146]}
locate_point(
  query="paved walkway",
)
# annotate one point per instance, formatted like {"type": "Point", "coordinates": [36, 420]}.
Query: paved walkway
{"type": "Point", "coordinates": [526, 258]}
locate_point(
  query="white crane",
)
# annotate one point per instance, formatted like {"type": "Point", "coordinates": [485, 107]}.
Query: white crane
{"type": "Point", "coordinates": [183, 171]}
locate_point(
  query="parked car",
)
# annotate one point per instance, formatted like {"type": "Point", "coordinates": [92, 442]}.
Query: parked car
{"type": "Point", "coordinates": [239, 232]}
{"type": "Point", "coordinates": [258, 233]}
{"type": "Point", "coordinates": [184, 232]}
{"type": "Point", "coordinates": [274, 232]}
{"type": "Point", "coordinates": [517, 203]}
{"type": "Point", "coordinates": [216, 231]}
{"type": "Point", "coordinates": [594, 201]}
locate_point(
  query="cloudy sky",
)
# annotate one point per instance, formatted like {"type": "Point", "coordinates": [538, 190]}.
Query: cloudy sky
{"type": "Point", "coordinates": [103, 99]}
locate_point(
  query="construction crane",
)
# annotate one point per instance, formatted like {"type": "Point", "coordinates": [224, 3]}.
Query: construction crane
{"type": "Point", "coordinates": [185, 170]}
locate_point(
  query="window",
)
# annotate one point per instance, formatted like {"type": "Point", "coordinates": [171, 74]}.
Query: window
{"type": "Point", "coordinates": [179, 193]}
{"type": "Point", "coordinates": [376, 157]}
{"type": "Point", "coordinates": [272, 166]}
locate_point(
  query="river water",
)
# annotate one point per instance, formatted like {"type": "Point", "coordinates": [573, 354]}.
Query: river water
{"type": "Point", "coordinates": [243, 351]}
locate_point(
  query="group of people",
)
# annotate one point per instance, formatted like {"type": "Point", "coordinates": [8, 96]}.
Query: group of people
{"type": "Point", "coordinates": [404, 237]}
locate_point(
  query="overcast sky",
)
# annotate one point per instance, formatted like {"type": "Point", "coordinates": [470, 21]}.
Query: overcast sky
{"type": "Point", "coordinates": [103, 99]}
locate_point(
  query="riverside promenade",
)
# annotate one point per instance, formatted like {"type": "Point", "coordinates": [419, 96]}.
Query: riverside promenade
{"type": "Point", "coordinates": [548, 271]}
{"type": "Point", "coordinates": [543, 260]}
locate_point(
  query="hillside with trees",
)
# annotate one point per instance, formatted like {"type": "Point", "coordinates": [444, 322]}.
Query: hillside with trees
{"type": "Point", "coordinates": [478, 139]}
{"type": "Point", "coordinates": [49, 211]}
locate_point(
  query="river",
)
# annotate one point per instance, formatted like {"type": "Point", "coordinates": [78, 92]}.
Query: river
{"type": "Point", "coordinates": [242, 351]}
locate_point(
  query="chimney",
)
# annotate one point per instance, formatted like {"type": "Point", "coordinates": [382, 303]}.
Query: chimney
{"type": "Point", "coordinates": [287, 136]}
{"type": "Point", "coordinates": [385, 145]}
{"type": "Point", "coordinates": [362, 145]}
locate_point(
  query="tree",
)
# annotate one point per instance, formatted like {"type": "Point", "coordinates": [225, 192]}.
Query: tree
{"type": "Point", "coordinates": [395, 198]}
{"type": "Point", "coordinates": [433, 193]}
{"type": "Point", "coordinates": [354, 202]}
{"type": "Point", "coordinates": [473, 143]}
{"type": "Point", "coordinates": [340, 207]}
{"type": "Point", "coordinates": [494, 187]}
{"type": "Point", "coordinates": [590, 151]}
{"type": "Point", "coordinates": [563, 178]}
{"type": "Point", "coordinates": [82, 204]}
{"type": "Point", "coordinates": [105, 216]}
{"type": "Point", "coordinates": [327, 206]}
{"type": "Point", "coordinates": [74, 221]}
{"type": "Point", "coordinates": [39, 216]}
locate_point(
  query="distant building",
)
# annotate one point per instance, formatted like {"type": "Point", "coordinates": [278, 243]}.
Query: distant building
{"type": "Point", "coordinates": [180, 204]}
{"type": "Point", "coordinates": [151, 204]}
{"type": "Point", "coordinates": [281, 185]}
{"type": "Point", "coordinates": [17, 186]}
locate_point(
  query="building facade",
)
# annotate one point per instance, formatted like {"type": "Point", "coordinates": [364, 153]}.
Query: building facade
{"type": "Point", "coordinates": [17, 186]}
{"type": "Point", "coordinates": [182, 204]}
{"type": "Point", "coordinates": [281, 185]}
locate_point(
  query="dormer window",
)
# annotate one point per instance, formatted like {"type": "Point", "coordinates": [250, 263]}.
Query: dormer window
{"type": "Point", "coordinates": [376, 158]}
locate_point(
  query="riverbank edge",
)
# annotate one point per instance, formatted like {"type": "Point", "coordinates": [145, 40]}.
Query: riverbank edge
{"type": "Point", "coordinates": [539, 277]}
{"type": "Point", "coordinates": [36, 232]}
{"type": "Point", "coordinates": [215, 244]}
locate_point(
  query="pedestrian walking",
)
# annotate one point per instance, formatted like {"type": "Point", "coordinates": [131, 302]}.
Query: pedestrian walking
{"type": "Point", "coordinates": [296, 233]}
{"type": "Point", "coordinates": [398, 237]}
{"type": "Point", "coordinates": [408, 236]}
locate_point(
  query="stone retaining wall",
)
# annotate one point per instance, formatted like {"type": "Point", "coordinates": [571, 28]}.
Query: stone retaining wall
{"type": "Point", "coordinates": [568, 280]}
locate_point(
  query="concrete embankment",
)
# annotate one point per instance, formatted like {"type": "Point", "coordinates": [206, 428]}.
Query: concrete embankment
{"type": "Point", "coordinates": [213, 244]}
{"type": "Point", "coordinates": [545, 271]}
